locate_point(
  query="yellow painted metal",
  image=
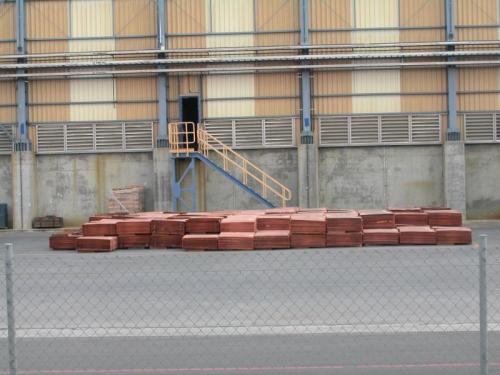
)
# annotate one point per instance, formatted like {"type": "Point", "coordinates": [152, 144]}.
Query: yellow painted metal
{"type": "Point", "coordinates": [183, 136]}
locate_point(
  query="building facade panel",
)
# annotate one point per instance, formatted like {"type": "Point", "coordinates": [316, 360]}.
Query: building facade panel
{"type": "Point", "coordinates": [7, 102]}
{"type": "Point", "coordinates": [424, 90]}
{"type": "Point", "coordinates": [7, 28]}
{"type": "Point", "coordinates": [331, 21]}
{"type": "Point", "coordinates": [135, 24]}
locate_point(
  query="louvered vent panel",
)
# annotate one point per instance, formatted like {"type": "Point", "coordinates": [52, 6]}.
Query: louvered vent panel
{"type": "Point", "coordinates": [6, 137]}
{"type": "Point", "coordinates": [364, 130]}
{"type": "Point", "coordinates": [50, 139]}
{"type": "Point", "coordinates": [395, 129]}
{"type": "Point", "coordinates": [109, 137]}
{"type": "Point", "coordinates": [248, 133]}
{"type": "Point", "coordinates": [497, 123]}
{"type": "Point", "coordinates": [139, 136]}
{"type": "Point", "coordinates": [80, 138]}
{"type": "Point", "coordinates": [279, 132]}
{"type": "Point", "coordinates": [222, 130]}
{"type": "Point", "coordinates": [334, 130]}
{"type": "Point", "coordinates": [425, 129]}
{"type": "Point", "coordinates": [479, 127]}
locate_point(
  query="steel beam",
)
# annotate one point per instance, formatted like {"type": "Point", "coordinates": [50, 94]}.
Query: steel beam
{"type": "Point", "coordinates": [453, 133]}
{"type": "Point", "coordinates": [306, 134]}
{"type": "Point", "coordinates": [21, 93]}
{"type": "Point", "coordinates": [162, 79]}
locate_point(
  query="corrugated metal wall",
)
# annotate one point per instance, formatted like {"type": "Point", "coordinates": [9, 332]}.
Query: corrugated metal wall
{"type": "Point", "coordinates": [277, 22]}
{"type": "Point", "coordinates": [479, 89]}
{"type": "Point", "coordinates": [186, 23]}
{"type": "Point", "coordinates": [135, 24]}
{"type": "Point", "coordinates": [331, 21]}
{"type": "Point", "coordinates": [421, 20]}
{"type": "Point", "coordinates": [477, 20]}
{"type": "Point", "coordinates": [7, 102]}
{"type": "Point", "coordinates": [47, 26]}
{"type": "Point", "coordinates": [7, 28]}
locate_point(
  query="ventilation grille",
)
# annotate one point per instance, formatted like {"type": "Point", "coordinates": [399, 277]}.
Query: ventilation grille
{"type": "Point", "coordinates": [85, 137]}
{"type": "Point", "coordinates": [6, 139]}
{"type": "Point", "coordinates": [482, 127]}
{"type": "Point", "coordinates": [396, 129]}
{"type": "Point", "coordinates": [253, 132]}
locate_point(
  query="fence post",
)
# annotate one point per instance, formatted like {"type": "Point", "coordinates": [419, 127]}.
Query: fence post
{"type": "Point", "coordinates": [11, 325]}
{"type": "Point", "coordinates": [483, 305]}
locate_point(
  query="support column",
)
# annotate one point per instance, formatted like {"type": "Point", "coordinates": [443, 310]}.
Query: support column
{"type": "Point", "coordinates": [162, 165]}
{"type": "Point", "coordinates": [454, 149]}
{"type": "Point", "coordinates": [308, 147]}
{"type": "Point", "coordinates": [23, 159]}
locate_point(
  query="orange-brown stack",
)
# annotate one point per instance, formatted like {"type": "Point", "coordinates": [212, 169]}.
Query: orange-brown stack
{"type": "Point", "coordinates": [344, 228]}
{"type": "Point", "coordinates": [238, 223]}
{"type": "Point", "coordinates": [377, 219]}
{"type": "Point", "coordinates": [308, 230]}
{"type": "Point", "coordinates": [200, 242]}
{"type": "Point", "coordinates": [96, 244]}
{"type": "Point", "coordinates": [453, 235]}
{"type": "Point", "coordinates": [446, 218]}
{"type": "Point", "coordinates": [423, 235]}
{"type": "Point", "coordinates": [236, 241]}
{"type": "Point", "coordinates": [385, 236]}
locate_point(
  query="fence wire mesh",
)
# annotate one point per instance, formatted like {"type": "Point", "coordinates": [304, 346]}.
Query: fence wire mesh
{"type": "Point", "coordinates": [367, 310]}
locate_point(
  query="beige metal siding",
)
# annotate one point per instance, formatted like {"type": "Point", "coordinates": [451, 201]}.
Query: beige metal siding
{"type": "Point", "coordinates": [277, 85]}
{"type": "Point", "coordinates": [274, 16]}
{"type": "Point", "coordinates": [47, 19]}
{"type": "Point", "coordinates": [477, 89]}
{"type": "Point", "coordinates": [92, 18]}
{"type": "Point", "coordinates": [181, 86]}
{"type": "Point", "coordinates": [7, 101]}
{"type": "Point", "coordinates": [135, 18]}
{"type": "Point", "coordinates": [95, 91]}
{"type": "Point", "coordinates": [221, 88]}
{"type": "Point", "coordinates": [429, 89]}
{"type": "Point", "coordinates": [230, 16]}
{"type": "Point", "coordinates": [479, 13]}
{"type": "Point", "coordinates": [7, 27]}
{"type": "Point", "coordinates": [186, 17]}
{"type": "Point", "coordinates": [368, 84]}
{"type": "Point", "coordinates": [42, 93]}
{"type": "Point", "coordinates": [376, 14]}
{"type": "Point", "coordinates": [421, 14]}
{"type": "Point", "coordinates": [332, 92]}
{"type": "Point", "coordinates": [130, 89]}
{"type": "Point", "coordinates": [331, 14]}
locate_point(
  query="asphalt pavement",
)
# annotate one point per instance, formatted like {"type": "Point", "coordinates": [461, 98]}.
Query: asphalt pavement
{"type": "Point", "coordinates": [377, 310]}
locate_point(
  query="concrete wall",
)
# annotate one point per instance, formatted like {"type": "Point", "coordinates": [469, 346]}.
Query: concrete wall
{"type": "Point", "coordinates": [77, 186]}
{"type": "Point", "coordinates": [6, 184]}
{"type": "Point", "coordinates": [482, 181]}
{"type": "Point", "coordinates": [376, 177]}
{"type": "Point", "coordinates": [222, 194]}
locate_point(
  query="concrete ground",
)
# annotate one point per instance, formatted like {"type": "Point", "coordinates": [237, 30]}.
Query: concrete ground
{"type": "Point", "coordinates": [377, 310]}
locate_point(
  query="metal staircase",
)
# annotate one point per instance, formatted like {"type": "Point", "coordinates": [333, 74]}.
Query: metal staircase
{"type": "Point", "coordinates": [192, 142]}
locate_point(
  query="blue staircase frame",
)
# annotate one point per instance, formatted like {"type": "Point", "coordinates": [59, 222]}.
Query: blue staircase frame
{"type": "Point", "coordinates": [177, 184]}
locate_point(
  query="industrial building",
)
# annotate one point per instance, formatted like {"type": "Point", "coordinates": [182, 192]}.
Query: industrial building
{"type": "Point", "coordinates": [348, 103]}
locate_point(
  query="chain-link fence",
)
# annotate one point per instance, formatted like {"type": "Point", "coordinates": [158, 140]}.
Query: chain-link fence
{"type": "Point", "coordinates": [352, 311]}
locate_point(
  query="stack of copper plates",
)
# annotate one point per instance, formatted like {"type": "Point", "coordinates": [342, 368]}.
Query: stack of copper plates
{"type": "Point", "coordinates": [273, 222]}
{"type": "Point", "coordinates": [272, 239]}
{"type": "Point", "coordinates": [134, 241]}
{"type": "Point", "coordinates": [405, 209]}
{"type": "Point", "coordinates": [308, 240]}
{"type": "Point", "coordinates": [445, 218]}
{"type": "Point", "coordinates": [343, 221]}
{"type": "Point", "coordinates": [203, 224]}
{"type": "Point", "coordinates": [133, 226]}
{"type": "Point", "coordinates": [415, 235]}
{"type": "Point", "coordinates": [282, 211]}
{"type": "Point", "coordinates": [377, 219]}
{"type": "Point", "coordinates": [321, 210]}
{"type": "Point", "coordinates": [236, 241]}
{"type": "Point", "coordinates": [412, 218]}
{"type": "Point", "coordinates": [388, 236]}
{"type": "Point", "coordinates": [105, 227]}
{"type": "Point", "coordinates": [200, 242]}
{"type": "Point", "coordinates": [166, 241]}
{"type": "Point", "coordinates": [238, 223]}
{"type": "Point", "coordinates": [308, 224]}
{"type": "Point", "coordinates": [453, 235]}
{"type": "Point", "coordinates": [169, 226]}
{"type": "Point", "coordinates": [64, 240]}
{"type": "Point", "coordinates": [96, 244]}
{"type": "Point", "coordinates": [340, 239]}
{"type": "Point", "coordinates": [98, 217]}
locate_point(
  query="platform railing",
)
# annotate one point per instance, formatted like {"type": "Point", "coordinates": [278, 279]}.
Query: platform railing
{"type": "Point", "coordinates": [186, 138]}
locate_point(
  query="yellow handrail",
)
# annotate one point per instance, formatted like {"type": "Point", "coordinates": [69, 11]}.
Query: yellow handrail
{"type": "Point", "coordinates": [184, 137]}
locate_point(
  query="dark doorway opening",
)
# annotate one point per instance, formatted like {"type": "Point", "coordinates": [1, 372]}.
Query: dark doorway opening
{"type": "Point", "coordinates": [190, 112]}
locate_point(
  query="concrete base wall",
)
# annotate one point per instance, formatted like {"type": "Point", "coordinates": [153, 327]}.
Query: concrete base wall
{"type": "Point", "coordinates": [222, 194]}
{"type": "Point", "coordinates": [376, 177]}
{"type": "Point", "coordinates": [6, 184]}
{"type": "Point", "coordinates": [482, 181]}
{"type": "Point", "coordinates": [77, 186]}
